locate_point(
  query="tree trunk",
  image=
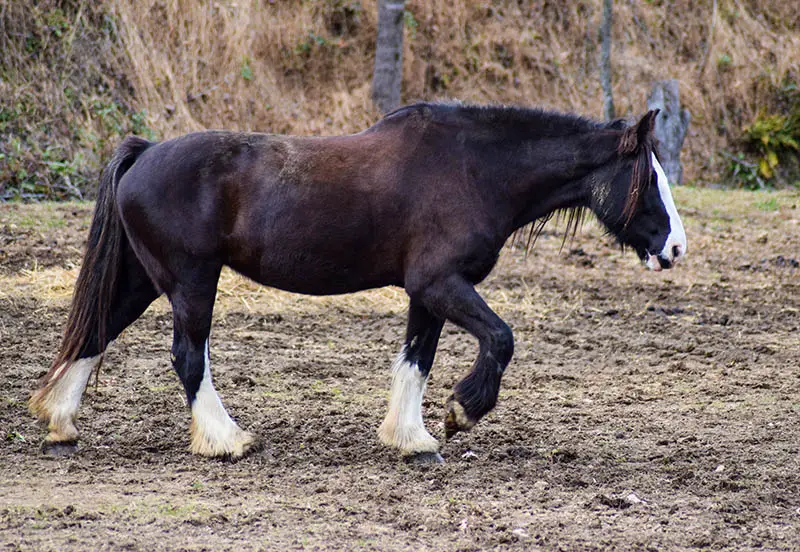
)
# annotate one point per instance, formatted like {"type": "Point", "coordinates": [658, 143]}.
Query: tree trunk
{"type": "Point", "coordinates": [388, 75]}
{"type": "Point", "coordinates": [605, 61]}
{"type": "Point", "coordinates": [672, 123]}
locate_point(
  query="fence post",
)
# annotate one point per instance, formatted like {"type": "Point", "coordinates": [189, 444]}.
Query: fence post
{"type": "Point", "coordinates": [388, 75]}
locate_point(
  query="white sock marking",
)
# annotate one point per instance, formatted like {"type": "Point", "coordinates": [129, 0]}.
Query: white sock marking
{"type": "Point", "coordinates": [403, 426]}
{"type": "Point", "coordinates": [214, 433]}
{"type": "Point", "coordinates": [60, 403]}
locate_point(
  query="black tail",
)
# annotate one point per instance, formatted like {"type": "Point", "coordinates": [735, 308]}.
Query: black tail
{"type": "Point", "coordinates": [97, 281]}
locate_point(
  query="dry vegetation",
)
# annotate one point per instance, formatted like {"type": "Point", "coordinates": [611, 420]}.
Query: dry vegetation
{"type": "Point", "coordinates": [76, 75]}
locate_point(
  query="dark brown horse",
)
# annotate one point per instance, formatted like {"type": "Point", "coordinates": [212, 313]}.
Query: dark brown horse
{"type": "Point", "coordinates": [425, 199]}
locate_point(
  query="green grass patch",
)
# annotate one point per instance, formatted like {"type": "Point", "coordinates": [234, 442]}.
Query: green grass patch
{"type": "Point", "coordinates": [767, 204]}
{"type": "Point", "coordinates": [718, 203]}
{"type": "Point", "coordinates": [45, 215]}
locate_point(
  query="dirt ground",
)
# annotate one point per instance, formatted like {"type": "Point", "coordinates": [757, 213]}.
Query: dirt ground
{"type": "Point", "coordinates": [642, 411]}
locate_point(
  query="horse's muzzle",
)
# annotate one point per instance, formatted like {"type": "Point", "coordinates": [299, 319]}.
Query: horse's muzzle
{"type": "Point", "coordinates": [657, 263]}
{"type": "Point", "coordinates": [666, 259]}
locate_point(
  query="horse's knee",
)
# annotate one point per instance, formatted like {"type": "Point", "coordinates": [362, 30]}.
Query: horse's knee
{"type": "Point", "coordinates": [502, 345]}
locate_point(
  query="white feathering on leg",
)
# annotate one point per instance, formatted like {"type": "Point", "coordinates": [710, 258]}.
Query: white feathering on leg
{"type": "Point", "coordinates": [58, 402]}
{"type": "Point", "coordinates": [403, 426]}
{"type": "Point", "coordinates": [213, 431]}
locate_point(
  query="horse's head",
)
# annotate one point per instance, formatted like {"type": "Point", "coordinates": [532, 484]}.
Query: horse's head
{"type": "Point", "coordinates": [634, 201]}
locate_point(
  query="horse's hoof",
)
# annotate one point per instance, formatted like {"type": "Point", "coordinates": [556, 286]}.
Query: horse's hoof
{"type": "Point", "coordinates": [59, 448]}
{"type": "Point", "coordinates": [424, 458]}
{"type": "Point", "coordinates": [234, 443]}
{"type": "Point", "coordinates": [254, 446]}
{"type": "Point", "coordinates": [457, 419]}
{"type": "Point", "coordinates": [450, 425]}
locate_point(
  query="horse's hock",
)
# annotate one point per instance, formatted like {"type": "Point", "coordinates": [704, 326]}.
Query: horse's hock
{"type": "Point", "coordinates": [672, 124]}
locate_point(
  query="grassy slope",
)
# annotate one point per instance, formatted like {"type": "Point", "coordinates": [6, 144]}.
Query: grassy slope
{"type": "Point", "coordinates": [77, 75]}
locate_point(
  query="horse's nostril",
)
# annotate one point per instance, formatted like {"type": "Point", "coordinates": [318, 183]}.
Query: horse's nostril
{"type": "Point", "coordinates": [676, 251]}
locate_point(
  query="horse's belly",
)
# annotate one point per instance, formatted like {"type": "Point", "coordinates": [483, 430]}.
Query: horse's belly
{"type": "Point", "coordinates": [314, 272]}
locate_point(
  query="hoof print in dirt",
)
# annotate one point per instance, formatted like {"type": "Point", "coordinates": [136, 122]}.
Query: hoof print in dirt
{"type": "Point", "coordinates": [423, 458]}
{"type": "Point", "coordinates": [59, 448]}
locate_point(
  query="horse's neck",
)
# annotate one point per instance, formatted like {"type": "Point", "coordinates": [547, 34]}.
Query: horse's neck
{"type": "Point", "coordinates": [546, 197]}
{"type": "Point", "coordinates": [548, 174]}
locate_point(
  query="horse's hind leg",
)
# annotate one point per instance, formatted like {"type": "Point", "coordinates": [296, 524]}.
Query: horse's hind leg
{"type": "Point", "coordinates": [403, 426]}
{"type": "Point", "coordinates": [455, 299]}
{"type": "Point", "coordinates": [58, 401]}
{"type": "Point", "coordinates": [213, 432]}
{"type": "Point", "coordinates": [58, 404]}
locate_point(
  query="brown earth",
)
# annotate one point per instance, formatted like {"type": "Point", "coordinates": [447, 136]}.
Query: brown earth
{"type": "Point", "coordinates": [641, 411]}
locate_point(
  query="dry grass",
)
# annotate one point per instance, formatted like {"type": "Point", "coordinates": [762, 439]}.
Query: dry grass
{"type": "Point", "coordinates": [304, 67]}
{"type": "Point", "coordinates": [250, 65]}
{"type": "Point", "coordinates": [311, 61]}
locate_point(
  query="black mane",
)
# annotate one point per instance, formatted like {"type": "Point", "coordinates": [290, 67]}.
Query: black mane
{"type": "Point", "coordinates": [518, 121]}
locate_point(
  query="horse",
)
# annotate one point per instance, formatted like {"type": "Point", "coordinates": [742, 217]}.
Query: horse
{"type": "Point", "coordinates": [425, 199]}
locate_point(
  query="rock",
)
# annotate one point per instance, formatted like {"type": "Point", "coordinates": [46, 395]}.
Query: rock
{"type": "Point", "coordinates": [520, 533]}
{"type": "Point", "coordinates": [632, 498]}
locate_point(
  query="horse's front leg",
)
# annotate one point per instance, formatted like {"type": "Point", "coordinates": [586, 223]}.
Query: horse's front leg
{"type": "Point", "coordinates": [455, 299]}
{"type": "Point", "coordinates": [403, 426]}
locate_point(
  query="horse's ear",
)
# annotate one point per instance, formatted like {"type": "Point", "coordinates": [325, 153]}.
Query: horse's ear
{"type": "Point", "coordinates": [638, 135]}
{"type": "Point", "coordinates": [647, 125]}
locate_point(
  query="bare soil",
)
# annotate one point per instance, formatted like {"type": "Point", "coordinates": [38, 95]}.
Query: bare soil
{"type": "Point", "coordinates": [641, 411]}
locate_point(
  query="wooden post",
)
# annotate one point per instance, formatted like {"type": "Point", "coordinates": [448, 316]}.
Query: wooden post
{"type": "Point", "coordinates": [605, 61]}
{"type": "Point", "coordinates": [672, 124]}
{"type": "Point", "coordinates": [388, 75]}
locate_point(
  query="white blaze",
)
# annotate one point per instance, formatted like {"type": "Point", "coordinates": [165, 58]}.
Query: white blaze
{"type": "Point", "coordinates": [403, 426]}
{"type": "Point", "coordinates": [677, 235]}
